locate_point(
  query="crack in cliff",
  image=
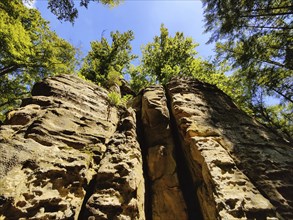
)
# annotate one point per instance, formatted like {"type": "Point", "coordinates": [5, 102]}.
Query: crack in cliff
{"type": "Point", "coordinates": [92, 186]}
{"type": "Point", "coordinates": [187, 186]}
{"type": "Point", "coordinates": [140, 137]}
{"type": "Point", "coordinates": [93, 167]}
{"type": "Point", "coordinates": [90, 189]}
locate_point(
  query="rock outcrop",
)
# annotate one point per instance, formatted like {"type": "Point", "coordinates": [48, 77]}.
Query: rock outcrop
{"type": "Point", "coordinates": [242, 170]}
{"type": "Point", "coordinates": [68, 154]}
{"type": "Point", "coordinates": [186, 149]}
{"type": "Point", "coordinates": [160, 147]}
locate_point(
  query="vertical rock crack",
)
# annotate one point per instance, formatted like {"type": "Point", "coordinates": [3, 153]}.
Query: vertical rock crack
{"type": "Point", "coordinates": [185, 180]}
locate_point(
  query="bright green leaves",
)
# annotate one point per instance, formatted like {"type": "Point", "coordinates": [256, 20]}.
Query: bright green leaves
{"type": "Point", "coordinates": [28, 44]}
{"type": "Point", "coordinates": [66, 10]}
{"type": "Point", "coordinates": [167, 56]}
{"type": "Point", "coordinates": [29, 51]}
{"type": "Point", "coordinates": [161, 60]}
{"type": "Point", "coordinates": [105, 63]}
{"type": "Point", "coordinates": [15, 42]}
{"type": "Point", "coordinates": [256, 38]}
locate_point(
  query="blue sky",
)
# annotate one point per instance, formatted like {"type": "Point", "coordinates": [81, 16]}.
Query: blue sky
{"type": "Point", "coordinates": [142, 17]}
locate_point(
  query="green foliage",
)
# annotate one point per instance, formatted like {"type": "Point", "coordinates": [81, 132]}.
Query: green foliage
{"type": "Point", "coordinates": [114, 98]}
{"type": "Point", "coordinates": [256, 38]}
{"type": "Point", "coordinates": [105, 63]}
{"type": "Point", "coordinates": [167, 56]}
{"type": "Point", "coordinates": [125, 100]}
{"type": "Point", "coordinates": [113, 77]}
{"type": "Point", "coordinates": [66, 10]}
{"type": "Point", "coordinates": [29, 51]}
{"type": "Point", "coordinates": [139, 79]}
{"type": "Point", "coordinates": [275, 116]}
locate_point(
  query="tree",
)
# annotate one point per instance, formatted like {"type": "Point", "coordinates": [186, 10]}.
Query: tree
{"type": "Point", "coordinates": [66, 10]}
{"type": "Point", "coordinates": [169, 56]}
{"type": "Point", "coordinates": [235, 19]}
{"type": "Point", "coordinates": [256, 38]}
{"type": "Point", "coordinates": [29, 51]}
{"type": "Point", "coordinates": [106, 62]}
{"type": "Point", "coordinates": [139, 79]}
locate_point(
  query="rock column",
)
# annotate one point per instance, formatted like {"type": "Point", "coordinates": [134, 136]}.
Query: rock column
{"type": "Point", "coordinates": [238, 165]}
{"type": "Point", "coordinates": [166, 196]}
{"type": "Point", "coordinates": [68, 154]}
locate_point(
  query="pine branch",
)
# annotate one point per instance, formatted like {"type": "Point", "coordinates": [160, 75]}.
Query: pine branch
{"type": "Point", "coordinates": [267, 27]}
{"type": "Point", "coordinates": [8, 69]}
{"type": "Point", "coordinates": [11, 101]}
{"type": "Point", "coordinates": [266, 15]}
{"type": "Point", "coordinates": [268, 9]}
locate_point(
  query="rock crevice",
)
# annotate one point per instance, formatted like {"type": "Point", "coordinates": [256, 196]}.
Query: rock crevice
{"type": "Point", "coordinates": [64, 141]}
{"type": "Point", "coordinates": [225, 151]}
{"type": "Point", "coordinates": [160, 157]}
{"type": "Point", "coordinates": [180, 152]}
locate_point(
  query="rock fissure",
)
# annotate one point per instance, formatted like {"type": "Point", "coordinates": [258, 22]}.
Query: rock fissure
{"type": "Point", "coordinates": [89, 190]}
{"type": "Point", "coordinates": [136, 104]}
{"type": "Point", "coordinates": [159, 150]}
{"type": "Point", "coordinates": [180, 152]}
{"type": "Point", "coordinates": [187, 185]}
{"type": "Point", "coordinates": [215, 154]}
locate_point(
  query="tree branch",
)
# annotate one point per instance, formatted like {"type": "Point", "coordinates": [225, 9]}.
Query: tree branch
{"type": "Point", "coordinates": [267, 27]}
{"type": "Point", "coordinates": [273, 8]}
{"type": "Point", "coordinates": [265, 15]}
{"type": "Point", "coordinates": [275, 63]}
{"type": "Point", "coordinates": [6, 70]}
{"type": "Point", "coordinates": [10, 101]}
{"type": "Point", "coordinates": [281, 94]}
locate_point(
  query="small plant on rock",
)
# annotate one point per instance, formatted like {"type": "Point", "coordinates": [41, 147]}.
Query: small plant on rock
{"type": "Point", "coordinates": [114, 98]}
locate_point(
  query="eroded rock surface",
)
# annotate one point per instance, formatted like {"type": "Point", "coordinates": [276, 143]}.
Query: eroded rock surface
{"type": "Point", "coordinates": [53, 149]}
{"type": "Point", "coordinates": [166, 195]}
{"type": "Point", "coordinates": [242, 170]}
{"type": "Point", "coordinates": [118, 189]}
{"type": "Point", "coordinates": [67, 153]}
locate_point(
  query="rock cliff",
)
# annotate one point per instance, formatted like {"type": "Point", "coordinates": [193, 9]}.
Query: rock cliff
{"type": "Point", "coordinates": [183, 151]}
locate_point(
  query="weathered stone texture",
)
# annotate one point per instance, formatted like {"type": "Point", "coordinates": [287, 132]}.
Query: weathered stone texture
{"type": "Point", "coordinates": [52, 148]}
{"type": "Point", "coordinates": [67, 153]}
{"type": "Point", "coordinates": [166, 196]}
{"type": "Point", "coordinates": [242, 170]}
{"type": "Point", "coordinates": [119, 185]}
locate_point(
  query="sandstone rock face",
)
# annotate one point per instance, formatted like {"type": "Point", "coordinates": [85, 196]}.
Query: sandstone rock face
{"type": "Point", "coordinates": [166, 196]}
{"type": "Point", "coordinates": [242, 170]}
{"type": "Point", "coordinates": [68, 153]}
{"type": "Point", "coordinates": [119, 184]}
{"type": "Point", "coordinates": [58, 146]}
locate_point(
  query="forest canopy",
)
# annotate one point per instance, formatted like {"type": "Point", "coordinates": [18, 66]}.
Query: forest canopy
{"type": "Point", "coordinates": [67, 11]}
{"type": "Point", "coordinates": [29, 51]}
{"type": "Point", "coordinates": [256, 38]}
{"type": "Point", "coordinates": [253, 41]}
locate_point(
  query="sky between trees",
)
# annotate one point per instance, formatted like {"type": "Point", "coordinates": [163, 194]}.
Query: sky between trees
{"type": "Point", "coordinates": [144, 18]}
{"type": "Point", "coordinates": [253, 39]}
